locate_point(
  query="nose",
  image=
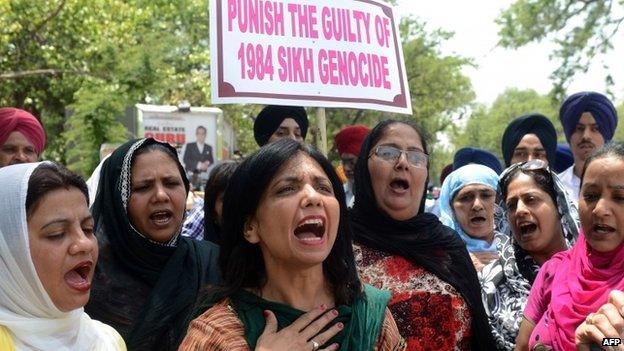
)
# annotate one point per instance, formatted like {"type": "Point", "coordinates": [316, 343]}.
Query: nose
{"type": "Point", "coordinates": [311, 197]}
{"type": "Point", "coordinates": [587, 133]}
{"type": "Point", "coordinates": [292, 135]}
{"type": "Point", "coordinates": [82, 243]}
{"type": "Point", "coordinates": [160, 193]}
{"type": "Point", "coordinates": [602, 208]}
{"type": "Point", "coordinates": [401, 162]}
{"type": "Point", "coordinates": [477, 204]}
{"type": "Point", "coordinates": [521, 208]}
{"type": "Point", "coordinates": [21, 156]}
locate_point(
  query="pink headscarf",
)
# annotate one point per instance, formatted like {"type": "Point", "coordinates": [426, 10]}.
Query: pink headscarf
{"type": "Point", "coordinates": [13, 119]}
{"type": "Point", "coordinates": [582, 283]}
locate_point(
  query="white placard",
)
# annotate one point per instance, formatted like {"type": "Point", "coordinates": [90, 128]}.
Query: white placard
{"type": "Point", "coordinates": [309, 53]}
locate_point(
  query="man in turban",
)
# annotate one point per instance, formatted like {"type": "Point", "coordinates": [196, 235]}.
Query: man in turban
{"type": "Point", "coordinates": [22, 138]}
{"type": "Point", "coordinates": [529, 137]}
{"type": "Point", "coordinates": [589, 120]}
{"type": "Point", "coordinates": [349, 142]}
{"type": "Point", "coordinates": [276, 122]}
{"type": "Point", "coordinates": [468, 155]}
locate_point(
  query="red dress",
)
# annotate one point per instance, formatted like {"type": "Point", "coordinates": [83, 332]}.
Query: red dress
{"type": "Point", "coordinates": [430, 313]}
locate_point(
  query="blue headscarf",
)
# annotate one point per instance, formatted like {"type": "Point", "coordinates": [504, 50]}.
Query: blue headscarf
{"type": "Point", "coordinates": [466, 175]}
{"type": "Point", "coordinates": [598, 105]}
{"type": "Point", "coordinates": [470, 155]}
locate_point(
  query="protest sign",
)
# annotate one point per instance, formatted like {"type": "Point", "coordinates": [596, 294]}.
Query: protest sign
{"type": "Point", "coordinates": [200, 136]}
{"type": "Point", "coordinates": [307, 52]}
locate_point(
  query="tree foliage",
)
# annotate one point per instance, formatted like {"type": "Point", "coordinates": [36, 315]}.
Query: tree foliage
{"type": "Point", "coordinates": [78, 64]}
{"type": "Point", "coordinates": [582, 30]}
{"type": "Point", "coordinates": [619, 131]}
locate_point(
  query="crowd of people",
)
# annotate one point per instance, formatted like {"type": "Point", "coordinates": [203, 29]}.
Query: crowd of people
{"type": "Point", "coordinates": [284, 254]}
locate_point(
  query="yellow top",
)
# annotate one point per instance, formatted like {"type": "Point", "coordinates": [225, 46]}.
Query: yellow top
{"type": "Point", "coordinates": [6, 341]}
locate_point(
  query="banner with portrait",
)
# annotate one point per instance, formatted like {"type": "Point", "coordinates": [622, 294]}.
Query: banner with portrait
{"type": "Point", "coordinates": [195, 135]}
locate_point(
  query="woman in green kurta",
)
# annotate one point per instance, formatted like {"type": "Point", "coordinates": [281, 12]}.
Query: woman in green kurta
{"type": "Point", "coordinates": [290, 281]}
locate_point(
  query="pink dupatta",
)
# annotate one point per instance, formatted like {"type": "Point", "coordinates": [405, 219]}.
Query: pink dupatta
{"type": "Point", "coordinates": [581, 284]}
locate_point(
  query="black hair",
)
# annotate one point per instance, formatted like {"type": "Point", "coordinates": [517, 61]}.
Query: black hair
{"type": "Point", "coordinates": [610, 149]}
{"type": "Point", "coordinates": [241, 262]}
{"type": "Point", "coordinates": [216, 184]}
{"type": "Point", "coordinates": [363, 183]}
{"type": "Point", "coordinates": [200, 127]}
{"type": "Point", "coordinates": [48, 177]}
{"type": "Point", "coordinates": [543, 179]}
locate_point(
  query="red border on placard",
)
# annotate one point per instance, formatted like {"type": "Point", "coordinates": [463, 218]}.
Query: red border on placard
{"type": "Point", "coordinates": [226, 90]}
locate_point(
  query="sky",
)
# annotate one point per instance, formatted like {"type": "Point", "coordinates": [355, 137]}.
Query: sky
{"type": "Point", "coordinates": [476, 36]}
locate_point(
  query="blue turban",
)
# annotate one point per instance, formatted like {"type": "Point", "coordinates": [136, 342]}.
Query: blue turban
{"type": "Point", "coordinates": [459, 178]}
{"type": "Point", "coordinates": [470, 155]}
{"type": "Point", "coordinates": [564, 159]}
{"type": "Point", "coordinates": [533, 123]}
{"type": "Point", "coordinates": [598, 105]}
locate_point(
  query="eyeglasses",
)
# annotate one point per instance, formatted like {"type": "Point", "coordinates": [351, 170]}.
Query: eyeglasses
{"type": "Point", "coordinates": [416, 158]}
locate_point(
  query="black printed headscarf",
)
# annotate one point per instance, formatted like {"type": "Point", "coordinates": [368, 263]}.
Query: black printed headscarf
{"type": "Point", "coordinates": [175, 271]}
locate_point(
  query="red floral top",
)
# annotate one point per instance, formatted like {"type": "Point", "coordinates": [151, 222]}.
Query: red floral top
{"type": "Point", "coordinates": [430, 313]}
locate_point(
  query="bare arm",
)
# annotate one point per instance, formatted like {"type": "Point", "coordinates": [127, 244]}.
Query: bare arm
{"type": "Point", "coordinates": [524, 333]}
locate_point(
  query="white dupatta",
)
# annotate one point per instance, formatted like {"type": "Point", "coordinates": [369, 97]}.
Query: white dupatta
{"type": "Point", "coordinates": [26, 310]}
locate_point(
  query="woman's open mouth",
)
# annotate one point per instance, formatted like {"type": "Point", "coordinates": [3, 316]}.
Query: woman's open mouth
{"type": "Point", "coordinates": [311, 230]}
{"type": "Point", "coordinates": [527, 228]}
{"type": "Point", "coordinates": [399, 185]}
{"type": "Point", "coordinates": [477, 220]}
{"type": "Point", "coordinates": [602, 229]}
{"type": "Point", "coordinates": [161, 218]}
{"type": "Point", "coordinates": [79, 277]}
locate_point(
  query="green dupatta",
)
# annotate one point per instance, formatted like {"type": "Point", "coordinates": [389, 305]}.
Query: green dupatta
{"type": "Point", "coordinates": [362, 320]}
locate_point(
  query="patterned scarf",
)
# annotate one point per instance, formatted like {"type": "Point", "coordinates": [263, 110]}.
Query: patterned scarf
{"type": "Point", "coordinates": [506, 282]}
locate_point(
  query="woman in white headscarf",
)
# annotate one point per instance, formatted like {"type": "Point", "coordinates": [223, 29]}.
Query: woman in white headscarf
{"type": "Point", "coordinates": [47, 257]}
